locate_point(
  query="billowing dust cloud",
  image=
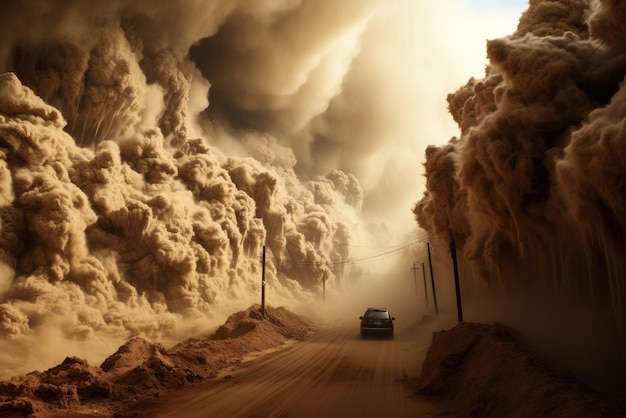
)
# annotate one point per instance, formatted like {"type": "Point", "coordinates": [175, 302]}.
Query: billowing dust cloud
{"type": "Point", "coordinates": [123, 210]}
{"type": "Point", "coordinates": [533, 189]}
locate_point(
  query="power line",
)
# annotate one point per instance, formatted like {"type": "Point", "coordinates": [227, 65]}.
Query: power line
{"type": "Point", "coordinates": [375, 256]}
{"type": "Point", "coordinates": [387, 253]}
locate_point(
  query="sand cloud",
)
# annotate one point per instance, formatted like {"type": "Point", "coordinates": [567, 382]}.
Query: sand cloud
{"type": "Point", "coordinates": [115, 220]}
{"type": "Point", "coordinates": [530, 189]}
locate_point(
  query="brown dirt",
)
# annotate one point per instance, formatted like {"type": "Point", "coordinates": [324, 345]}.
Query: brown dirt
{"type": "Point", "coordinates": [481, 370]}
{"type": "Point", "coordinates": [140, 370]}
{"type": "Point", "coordinates": [485, 371]}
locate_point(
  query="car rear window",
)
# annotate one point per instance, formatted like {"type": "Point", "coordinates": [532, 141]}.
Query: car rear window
{"type": "Point", "coordinates": [377, 315]}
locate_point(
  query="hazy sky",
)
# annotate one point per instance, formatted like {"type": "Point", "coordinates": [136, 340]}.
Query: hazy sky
{"type": "Point", "coordinates": [513, 5]}
{"type": "Point", "coordinates": [440, 45]}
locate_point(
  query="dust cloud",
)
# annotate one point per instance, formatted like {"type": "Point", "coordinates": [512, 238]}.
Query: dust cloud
{"type": "Point", "coordinates": [120, 216]}
{"type": "Point", "coordinates": [149, 150]}
{"type": "Point", "coordinates": [532, 189]}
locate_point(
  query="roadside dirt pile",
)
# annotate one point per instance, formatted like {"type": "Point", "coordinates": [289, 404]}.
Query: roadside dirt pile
{"type": "Point", "coordinates": [485, 371]}
{"type": "Point", "coordinates": [141, 370]}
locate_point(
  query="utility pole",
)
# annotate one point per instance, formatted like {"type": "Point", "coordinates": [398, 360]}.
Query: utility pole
{"type": "Point", "coordinates": [432, 277]}
{"type": "Point", "coordinates": [263, 284]}
{"type": "Point", "coordinates": [324, 287]}
{"type": "Point", "coordinates": [415, 267]}
{"type": "Point", "coordinates": [457, 286]}
{"type": "Point", "coordinates": [425, 289]}
{"type": "Point", "coordinates": [415, 277]}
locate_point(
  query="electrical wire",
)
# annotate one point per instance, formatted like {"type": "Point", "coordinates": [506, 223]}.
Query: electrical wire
{"type": "Point", "coordinates": [390, 251]}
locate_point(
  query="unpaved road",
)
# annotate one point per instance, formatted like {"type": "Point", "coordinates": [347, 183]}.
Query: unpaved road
{"type": "Point", "coordinates": [334, 373]}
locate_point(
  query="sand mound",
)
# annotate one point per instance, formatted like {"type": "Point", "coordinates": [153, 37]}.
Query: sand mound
{"type": "Point", "coordinates": [280, 319]}
{"type": "Point", "coordinates": [142, 370]}
{"type": "Point", "coordinates": [485, 371]}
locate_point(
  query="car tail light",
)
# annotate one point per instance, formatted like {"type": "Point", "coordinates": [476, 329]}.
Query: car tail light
{"type": "Point", "coordinates": [364, 322]}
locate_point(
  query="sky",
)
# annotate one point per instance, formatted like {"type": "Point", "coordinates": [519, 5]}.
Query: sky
{"type": "Point", "coordinates": [433, 62]}
{"type": "Point", "coordinates": [150, 150]}
{"type": "Point", "coordinates": [509, 5]}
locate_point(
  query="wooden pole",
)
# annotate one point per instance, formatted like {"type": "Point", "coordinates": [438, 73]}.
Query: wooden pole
{"type": "Point", "coordinates": [457, 285]}
{"type": "Point", "coordinates": [425, 288]}
{"type": "Point", "coordinates": [432, 277]}
{"type": "Point", "coordinates": [415, 277]}
{"type": "Point", "coordinates": [263, 284]}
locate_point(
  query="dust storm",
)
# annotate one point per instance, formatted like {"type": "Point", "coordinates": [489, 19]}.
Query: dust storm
{"type": "Point", "coordinates": [150, 150]}
{"type": "Point", "coordinates": [533, 187]}
{"type": "Point", "coordinates": [149, 153]}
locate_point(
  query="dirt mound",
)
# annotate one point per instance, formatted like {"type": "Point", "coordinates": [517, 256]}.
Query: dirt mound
{"type": "Point", "coordinates": [132, 354]}
{"type": "Point", "coordinates": [279, 319]}
{"type": "Point", "coordinates": [485, 371]}
{"type": "Point", "coordinates": [142, 370]}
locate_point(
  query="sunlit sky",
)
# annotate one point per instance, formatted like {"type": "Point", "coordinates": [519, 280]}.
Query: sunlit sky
{"type": "Point", "coordinates": [499, 4]}
{"type": "Point", "coordinates": [439, 47]}
{"type": "Point", "coordinates": [494, 18]}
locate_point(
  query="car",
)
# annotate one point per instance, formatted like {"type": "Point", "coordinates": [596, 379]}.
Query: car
{"type": "Point", "coordinates": [376, 321]}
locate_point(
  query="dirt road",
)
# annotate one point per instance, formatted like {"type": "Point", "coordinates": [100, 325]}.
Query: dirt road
{"type": "Point", "coordinates": [335, 373]}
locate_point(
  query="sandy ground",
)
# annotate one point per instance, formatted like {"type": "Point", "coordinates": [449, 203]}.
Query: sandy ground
{"type": "Point", "coordinates": [333, 374]}
{"type": "Point", "coordinates": [286, 366]}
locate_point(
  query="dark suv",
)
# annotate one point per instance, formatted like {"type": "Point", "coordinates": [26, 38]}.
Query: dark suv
{"type": "Point", "coordinates": [376, 321]}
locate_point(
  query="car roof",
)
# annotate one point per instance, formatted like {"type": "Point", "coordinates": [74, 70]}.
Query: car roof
{"type": "Point", "coordinates": [377, 309]}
